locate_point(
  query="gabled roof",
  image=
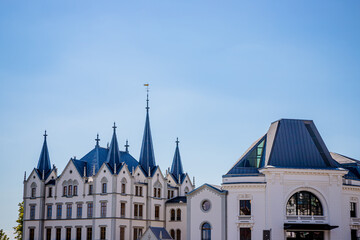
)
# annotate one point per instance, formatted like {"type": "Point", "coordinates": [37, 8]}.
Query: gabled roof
{"type": "Point", "coordinates": [44, 165]}
{"type": "Point", "coordinates": [176, 167]}
{"type": "Point", "coordinates": [210, 186]}
{"type": "Point", "coordinates": [147, 157]}
{"type": "Point", "coordinates": [157, 230]}
{"type": "Point", "coordinates": [289, 143]}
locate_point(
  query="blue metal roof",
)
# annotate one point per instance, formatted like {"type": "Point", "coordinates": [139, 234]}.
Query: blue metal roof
{"type": "Point", "coordinates": [289, 143]}
{"type": "Point", "coordinates": [177, 168]}
{"type": "Point", "coordinates": [147, 157]}
{"type": "Point", "coordinates": [44, 165]}
{"type": "Point", "coordinates": [298, 144]}
{"type": "Point", "coordinates": [164, 233]}
{"type": "Point", "coordinates": [177, 199]}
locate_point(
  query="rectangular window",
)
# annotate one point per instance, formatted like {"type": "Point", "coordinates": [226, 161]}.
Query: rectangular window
{"type": "Point", "coordinates": [49, 211]}
{"type": "Point", "coordinates": [48, 234]}
{"type": "Point", "coordinates": [32, 212]}
{"type": "Point", "coordinates": [245, 207]}
{"type": "Point", "coordinates": [50, 192]}
{"type": "Point", "coordinates": [32, 234]}
{"type": "Point", "coordinates": [64, 191]}
{"type": "Point", "coordinates": [68, 210]}
{"type": "Point", "coordinates": [89, 233]}
{"type": "Point", "coordinates": [245, 234]}
{"type": "Point", "coordinates": [122, 209]}
{"type": "Point", "coordinates": [136, 190]}
{"type": "Point", "coordinates": [90, 189]}
{"type": "Point", "coordinates": [78, 233]}
{"type": "Point", "coordinates": [172, 194]}
{"type": "Point", "coordinates": [58, 211]}
{"type": "Point", "coordinates": [138, 210]}
{"type": "Point", "coordinates": [79, 211]}
{"type": "Point", "coordinates": [168, 196]}
{"type": "Point", "coordinates": [104, 188]}
{"type": "Point", "coordinates": [123, 188]}
{"type": "Point", "coordinates": [58, 234]}
{"type": "Point", "coordinates": [90, 210]}
{"type": "Point", "coordinates": [353, 209]}
{"type": "Point", "coordinates": [75, 191]}
{"type": "Point", "coordinates": [33, 192]}
{"type": "Point", "coordinates": [159, 192]}
{"type": "Point", "coordinates": [102, 233]}
{"type": "Point", "coordinates": [140, 191]}
{"type": "Point", "coordinates": [68, 233]}
{"type": "Point", "coordinates": [354, 234]}
{"type": "Point", "coordinates": [122, 233]}
{"type": "Point", "coordinates": [103, 209]}
{"type": "Point", "coordinates": [70, 190]}
{"type": "Point", "coordinates": [157, 212]}
{"type": "Point", "coordinates": [137, 232]}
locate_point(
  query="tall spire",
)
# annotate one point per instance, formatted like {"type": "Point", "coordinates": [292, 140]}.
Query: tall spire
{"type": "Point", "coordinates": [176, 168]}
{"type": "Point", "coordinates": [44, 165]}
{"type": "Point", "coordinates": [114, 153]}
{"type": "Point", "coordinates": [147, 157]}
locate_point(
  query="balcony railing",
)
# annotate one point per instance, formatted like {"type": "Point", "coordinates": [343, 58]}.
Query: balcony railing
{"type": "Point", "coordinates": [305, 219]}
{"type": "Point", "coordinates": [245, 219]}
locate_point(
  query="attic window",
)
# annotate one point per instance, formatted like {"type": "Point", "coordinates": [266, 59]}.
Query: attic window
{"type": "Point", "coordinates": [186, 181]}
{"type": "Point", "coordinates": [70, 171]}
{"type": "Point", "coordinates": [123, 172]}
{"type": "Point", "coordinates": [104, 170]}
{"type": "Point", "coordinates": [33, 176]}
{"type": "Point", "coordinates": [52, 177]}
{"type": "Point", "coordinates": [138, 174]}
{"type": "Point", "coordinates": [157, 174]}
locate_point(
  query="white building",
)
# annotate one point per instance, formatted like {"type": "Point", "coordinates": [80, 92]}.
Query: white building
{"type": "Point", "coordinates": [107, 194]}
{"type": "Point", "coordinates": [287, 185]}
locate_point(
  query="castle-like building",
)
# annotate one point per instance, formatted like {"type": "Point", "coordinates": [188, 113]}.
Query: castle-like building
{"type": "Point", "coordinates": [286, 186]}
{"type": "Point", "coordinates": [106, 194]}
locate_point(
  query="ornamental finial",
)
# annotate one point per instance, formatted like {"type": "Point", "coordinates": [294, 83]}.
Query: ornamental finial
{"type": "Point", "coordinates": [147, 96]}
{"type": "Point", "coordinates": [97, 139]}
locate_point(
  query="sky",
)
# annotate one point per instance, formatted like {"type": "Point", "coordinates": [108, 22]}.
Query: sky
{"type": "Point", "coordinates": [219, 72]}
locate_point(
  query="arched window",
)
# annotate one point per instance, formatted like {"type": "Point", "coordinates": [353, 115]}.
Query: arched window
{"type": "Point", "coordinates": [172, 233]}
{"type": "Point", "coordinates": [304, 203]}
{"type": "Point", "coordinates": [206, 231]}
{"type": "Point", "coordinates": [186, 190]}
{"type": "Point", "coordinates": [178, 234]}
{"type": "Point", "coordinates": [178, 215]}
{"type": "Point", "coordinates": [172, 215]}
{"type": "Point", "coordinates": [123, 185]}
{"type": "Point", "coordinates": [33, 190]}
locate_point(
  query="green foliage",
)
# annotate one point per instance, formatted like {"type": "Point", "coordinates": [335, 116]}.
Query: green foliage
{"type": "Point", "coordinates": [19, 228]}
{"type": "Point", "coordinates": [3, 235]}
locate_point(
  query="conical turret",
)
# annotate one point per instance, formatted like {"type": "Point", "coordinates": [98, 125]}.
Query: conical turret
{"type": "Point", "coordinates": [113, 157]}
{"type": "Point", "coordinates": [176, 167]}
{"type": "Point", "coordinates": [44, 165]}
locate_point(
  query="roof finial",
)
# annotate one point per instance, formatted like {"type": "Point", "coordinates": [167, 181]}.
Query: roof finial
{"type": "Point", "coordinates": [97, 139]}
{"type": "Point", "coordinates": [147, 96]}
{"type": "Point", "coordinates": [177, 141]}
{"type": "Point", "coordinates": [45, 135]}
{"type": "Point", "coordinates": [114, 127]}
{"type": "Point", "coordinates": [127, 146]}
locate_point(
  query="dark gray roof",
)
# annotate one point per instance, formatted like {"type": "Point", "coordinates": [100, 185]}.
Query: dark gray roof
{"type": "Point", "coordinates": [178, 199]}
{"type": "Point", "coordinates": [289, 143]}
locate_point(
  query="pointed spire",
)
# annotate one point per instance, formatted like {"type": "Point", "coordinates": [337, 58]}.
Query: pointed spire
{"type": "Point", "coordinates": [176, 168]}
{"type": "Point", "coordinates": [44, 164]}
{"type": "Point", "coordinates": [127, 146]}
{"type": "Point", "coordinates": [147, 158]}
{"type": "Point", "coordinates": [113, 157]}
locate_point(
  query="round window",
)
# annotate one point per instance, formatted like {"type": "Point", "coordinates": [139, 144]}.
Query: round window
{"type": "Point", "coordinates": [205, 205]}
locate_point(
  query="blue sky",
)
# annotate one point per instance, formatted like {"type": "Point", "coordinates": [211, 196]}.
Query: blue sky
{"type": "Point", "coordinates": [219, 71]}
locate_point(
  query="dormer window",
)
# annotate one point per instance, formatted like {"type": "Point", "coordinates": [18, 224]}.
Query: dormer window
{"type": "Point", "coordinates": [33, 192]}
{"type": "Point", "coordinates": [138, 191]}
{"type": "Point", "coordinates": [104, 188]}
{"type": "Point", "coordinates": [65, 191]}
{"type": "Point", "coordinates": [50, 192]}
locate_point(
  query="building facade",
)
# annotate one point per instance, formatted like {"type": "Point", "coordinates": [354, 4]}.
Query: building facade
{"type": "Point", "coordinates": [107, 194]}
{"type": "Point", "coordinates": [287, 185]}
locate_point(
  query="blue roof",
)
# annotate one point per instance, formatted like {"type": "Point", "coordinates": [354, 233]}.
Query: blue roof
{"type": "Point", "coordinates": [147, 157]}
{"type": "Point", "coordinates": [177, 168]}
{"type": "Point", "coordinates": [113, 157]}
{"type": "Point", "coordinates": [289, 143]}
{"type": "Point", "coordinates": [177, 199]}
{"type": "Point", "coordinates": [44, 165]}
{"type": "Point", "coordinates": [164, 232]}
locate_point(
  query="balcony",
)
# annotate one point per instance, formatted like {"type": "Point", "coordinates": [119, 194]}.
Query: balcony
{"type": "Point", "coordinates": [305, 219]}
{"type": "Point", "coordinates": [355, 221]}
{"type": "Point", "coordinates": [245, 219]}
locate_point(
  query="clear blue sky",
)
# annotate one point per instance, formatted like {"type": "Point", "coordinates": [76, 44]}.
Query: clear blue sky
{"type": "Point", "coordinates": [220, 73]}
